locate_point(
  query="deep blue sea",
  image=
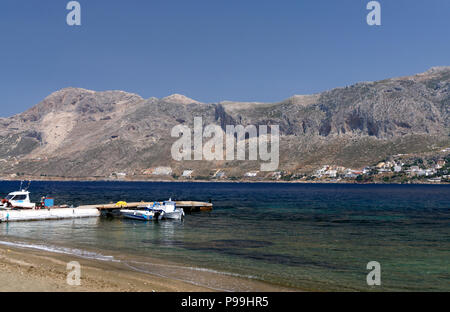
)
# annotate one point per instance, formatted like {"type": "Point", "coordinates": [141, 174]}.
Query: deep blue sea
{"type": "Point", "coordinates": [305, 236]}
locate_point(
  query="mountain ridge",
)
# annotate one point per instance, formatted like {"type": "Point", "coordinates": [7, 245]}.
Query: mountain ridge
{"type": "Point", "coordinates": [83, 133]}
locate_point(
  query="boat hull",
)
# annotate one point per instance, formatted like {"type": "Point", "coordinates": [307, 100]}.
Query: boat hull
{"type": "Point", "coordinates": [47, 214]}
{"type": "Point", "coordinates": [178, 214]}
{"type": "Point", "coordinates": [141, 215]}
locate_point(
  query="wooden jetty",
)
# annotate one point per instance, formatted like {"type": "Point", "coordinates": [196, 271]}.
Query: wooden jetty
{"type": "Point", "coordinates": [188, 206]}
{"type": "Point", "coordinates": [87, 211]}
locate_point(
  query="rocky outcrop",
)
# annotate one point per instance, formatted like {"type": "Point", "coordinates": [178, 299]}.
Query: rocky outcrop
{"type": "Point", "coordinates": [81, 133]}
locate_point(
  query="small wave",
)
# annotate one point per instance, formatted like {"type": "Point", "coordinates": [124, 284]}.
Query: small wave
{"type": "Point", "coordinates": [61, 250]}
{"type": "Point", "coordinates": [134, 265]}
{"type": "Point", "coordinates": [137, 266]}
{"type": "Point", "coordinates": [178, 279]}
{"type": "Point", "coordinates": [197, 269]}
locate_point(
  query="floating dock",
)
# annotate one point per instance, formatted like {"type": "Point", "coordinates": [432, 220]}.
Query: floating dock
{"type": "Point", "coordinates": [112, 210]}
{"type": "Point", "coordinates": [47, 214]}
{"type": "Point", "coordinates": [188, 206]}
{"type": "Point", "coordinates": [87, 211]}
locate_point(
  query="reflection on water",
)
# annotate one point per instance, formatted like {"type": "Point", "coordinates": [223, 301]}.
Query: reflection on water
{"type": "Point", "coordinates": [317, 237]}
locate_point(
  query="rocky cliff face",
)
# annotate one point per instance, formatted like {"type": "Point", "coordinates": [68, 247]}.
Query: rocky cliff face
{"type": "Point", "coordinates": [82, 133]}
{"type": "Point", "coordinates": [384, 109]}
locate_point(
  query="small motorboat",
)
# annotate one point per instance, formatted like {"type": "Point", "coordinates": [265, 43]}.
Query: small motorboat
{"type": "Point", "coordinates": [170, 210]}
{"type": "Point", "coordinates": [156, 211]}
{"type": "Point", "coordinates": [18, 200]}
{"type": "Point", "coordinates": [142, 214]}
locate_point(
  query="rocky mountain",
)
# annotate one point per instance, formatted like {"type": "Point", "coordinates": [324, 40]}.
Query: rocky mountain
{"type": "Point", "coordinates": [79, 133]}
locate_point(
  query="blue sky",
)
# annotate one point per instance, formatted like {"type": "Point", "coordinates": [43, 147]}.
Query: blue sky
{"type": "Point", "coordinates": [210, 50]}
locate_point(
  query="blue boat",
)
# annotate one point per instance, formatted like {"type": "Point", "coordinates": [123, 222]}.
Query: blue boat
{"type": "Point", "coordinates": [156, 211]}
{"type": "Point", "coordinates": [143, 215]}
{"type": "Point", "coordinates": [167, 208]}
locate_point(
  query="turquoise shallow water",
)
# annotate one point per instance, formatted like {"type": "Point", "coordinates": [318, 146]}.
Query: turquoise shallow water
{"type": "Point", "coordinates": [307, 236]}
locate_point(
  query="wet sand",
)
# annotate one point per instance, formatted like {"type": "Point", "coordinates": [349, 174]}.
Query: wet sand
{"type": "Point", "coordinates": [29, 270]}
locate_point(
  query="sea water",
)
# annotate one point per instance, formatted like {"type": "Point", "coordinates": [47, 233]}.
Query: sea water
{"type": "Point", "coordinates": [303, 236]}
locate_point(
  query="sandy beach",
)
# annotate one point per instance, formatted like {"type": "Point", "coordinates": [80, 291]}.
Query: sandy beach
{"type": "Point", "coordinates": [29, 270]}
{"type": "Point", "coordinates": [32, 271]}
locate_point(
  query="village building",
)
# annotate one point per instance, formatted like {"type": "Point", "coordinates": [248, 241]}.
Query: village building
{"type": "Point", "coordinates": [321, 172]}
{"type": "Point", "coordinates": [118, 175]}
{"type": "Point", "coordinates": [187, 174]}
{"type": "Point", "coordinates": [430, 172]}
{"type": "Point", "coordinates": [331, 173]}
{"type": "Point", "coordinates": [276, 175]}
{"type": "Point", "coordinates": [219, 174]}
{"type": "Point", "coordinates": [439, 164]}
{"type": "Point", "coordinates": [350, 175]}
{"type": "Point", "coordinates": [159, 171]}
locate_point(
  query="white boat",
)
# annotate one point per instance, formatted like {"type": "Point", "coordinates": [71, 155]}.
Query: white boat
{"type": "Point", "coordinates": [169, 208]}
{"type": "Point", "coordinates": [156, 211]}
{"type": "Point", "coordinates": [18, 200]}
{"type": "Point", "coordinates": [144, 215]}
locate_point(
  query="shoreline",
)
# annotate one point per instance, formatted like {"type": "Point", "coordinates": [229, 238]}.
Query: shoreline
{"type": "Point", "coordinates": [28, 270]}
{"type": "Point", "coordinates": [60, 179]}
{"type": "Point", "coordinates": [31, 270]}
